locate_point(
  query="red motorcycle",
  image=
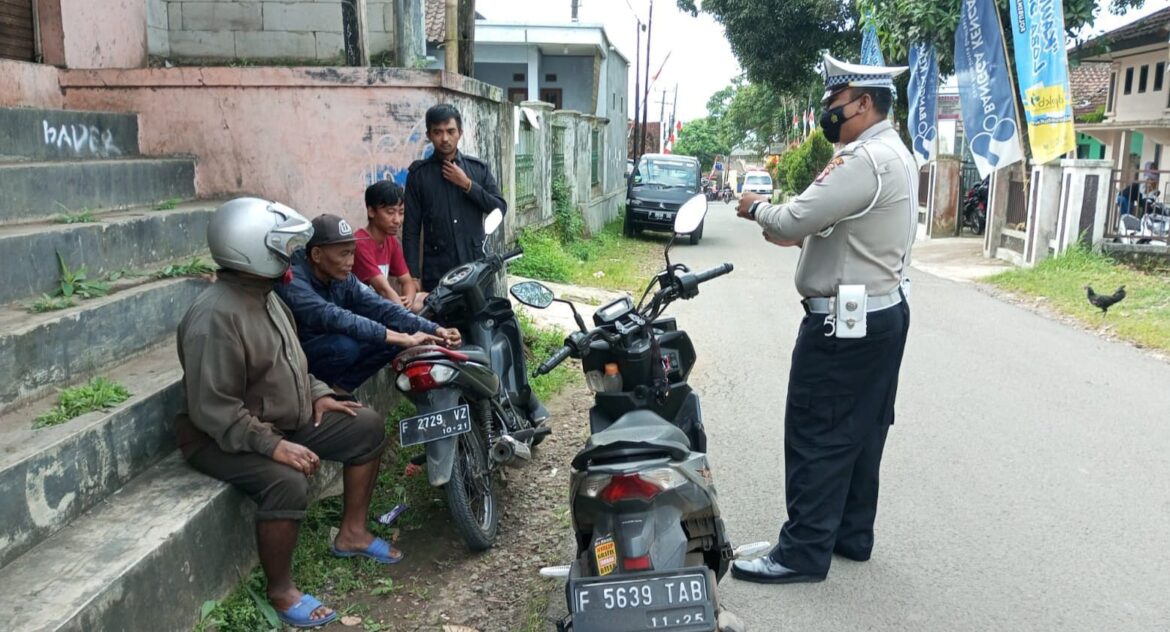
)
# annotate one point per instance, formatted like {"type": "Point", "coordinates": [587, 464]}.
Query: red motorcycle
{"type": "Point", "coordinates": [975, 208]}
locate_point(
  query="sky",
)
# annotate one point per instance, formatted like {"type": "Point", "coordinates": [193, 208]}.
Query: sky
{"type": "Point", "coordinates": [700, 60]}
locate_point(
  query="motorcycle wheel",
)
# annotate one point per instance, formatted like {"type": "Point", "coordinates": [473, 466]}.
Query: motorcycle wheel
{"type": "Point", "coordinates": [471, 494]}
{"type": "Point", "coordinates": [980, 226]}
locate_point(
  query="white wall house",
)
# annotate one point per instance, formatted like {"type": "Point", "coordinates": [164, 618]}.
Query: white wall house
{"type": "Point", "coordinates": [1136, 129]}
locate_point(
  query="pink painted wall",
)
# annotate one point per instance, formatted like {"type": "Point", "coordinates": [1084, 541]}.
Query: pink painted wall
{"type": "Point", "coordinates": [312, 138]}
{"type": "Point", "coordinates": [93, 34]}
{"type": "Point", "coordinates": [29, 85]}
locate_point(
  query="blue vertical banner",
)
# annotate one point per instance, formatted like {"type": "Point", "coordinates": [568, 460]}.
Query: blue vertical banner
{"type": "Point", "coordinates": [871, 51]}
{"type": "Point", "coordinates": [1042, 71]}
{"type": "Point", "coordinates": [986, 96]}
{"type": "Point", "coordinates": [923, 101]}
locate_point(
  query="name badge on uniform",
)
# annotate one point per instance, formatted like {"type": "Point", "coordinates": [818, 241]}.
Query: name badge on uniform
{"type": "Point", "coordinates": [850, 311]}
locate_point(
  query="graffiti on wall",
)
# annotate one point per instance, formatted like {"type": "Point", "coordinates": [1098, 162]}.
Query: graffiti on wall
{"type": "Point", "coordinates": [88, 139]}
{"type": "Point", "coordinates": [388, 155]}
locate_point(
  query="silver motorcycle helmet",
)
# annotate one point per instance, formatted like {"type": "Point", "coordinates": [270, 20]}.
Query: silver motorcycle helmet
{"type": "Point", "coordinates": [256, 236]}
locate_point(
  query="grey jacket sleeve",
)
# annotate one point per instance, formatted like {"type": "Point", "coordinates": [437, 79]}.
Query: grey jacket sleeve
{"type": "Point", "coordinates": [845, 187]}
{"type": "Point", "coordinates": [213, 362]}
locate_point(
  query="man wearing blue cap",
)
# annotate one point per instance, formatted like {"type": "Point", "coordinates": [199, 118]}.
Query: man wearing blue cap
{"type": "Point", "coordinates": [855, 225]}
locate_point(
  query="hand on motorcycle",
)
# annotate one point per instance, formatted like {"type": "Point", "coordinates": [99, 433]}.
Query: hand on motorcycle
{"type": "Point", "coordinates": [451, 337]}
{"type": "Point", "coordinates": [416, 339]}
{"type": "Point", "coordinates": [745, 204]}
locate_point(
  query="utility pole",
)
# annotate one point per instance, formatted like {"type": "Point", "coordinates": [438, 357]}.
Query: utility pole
{"type": "Point", "coordinates": [637, 92]}
{"type": "Point", "coordinates": [662, 134]}
{"type": "Point", "coordinates": [646, 93]}
{"type": "Point", "coordinates": [467, 38]}
{"type": "Point", "coordinates": [576, 4]}
{"type": "Point", "coordinates": [673, 114]}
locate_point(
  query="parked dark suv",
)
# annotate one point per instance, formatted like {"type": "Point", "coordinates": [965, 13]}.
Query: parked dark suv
{"type": "Point", "coordinates": [660, 184]}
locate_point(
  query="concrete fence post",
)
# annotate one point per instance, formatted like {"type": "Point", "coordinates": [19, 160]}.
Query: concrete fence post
{"type": "Point", "coordinates": [942, 211]}
{"type": "Point", "coordinates": [997, 199]}
{"type": "Point", "coordinates": [1043, 210]}
{"type": "Point", "coordinates": [1084, 202]}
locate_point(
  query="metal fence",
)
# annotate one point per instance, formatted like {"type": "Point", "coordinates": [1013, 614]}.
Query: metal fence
{"type": "Point", "coordinates": [595, 158]}
{"type": "Point", "coordinates": [924, 186]}
{"type": "Point", "coordinates": [968, 177]}
{"type": "Point", "coordinates": [558, 152]}
{"type": "Point", "coordinates": [1017, 204]}
{"type": "Point", "coordinates": [525, 181]}
{"type": "Point", "coordinates": [1141, 195]}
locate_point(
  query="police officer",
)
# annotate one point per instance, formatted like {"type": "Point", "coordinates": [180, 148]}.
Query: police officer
{"type": "Point", "coordinates": [447, 197]}
{"type": "Point", "coordinates": [855, 225]}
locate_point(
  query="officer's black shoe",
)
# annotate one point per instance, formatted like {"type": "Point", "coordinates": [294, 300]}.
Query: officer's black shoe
{"type": "Point", "coordinates": [856, 556]}
{"type": "Point", "coordinates": [763, 570]}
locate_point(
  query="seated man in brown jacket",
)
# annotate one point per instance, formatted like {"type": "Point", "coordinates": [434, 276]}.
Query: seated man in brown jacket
{"type": "Point", "coordinates": [255, 418]}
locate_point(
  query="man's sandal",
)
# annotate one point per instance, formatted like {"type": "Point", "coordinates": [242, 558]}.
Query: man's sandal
{"type": "Point", "coordinates": [379, 551]}
{"type": "Point", "coordinates": [300, 615]}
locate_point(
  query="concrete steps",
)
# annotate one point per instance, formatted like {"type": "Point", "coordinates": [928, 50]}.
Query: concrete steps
{"type": "Point", "coordinates": [116, 241]}
{"type": "Point", "coordinates": [49, 476]}
{"type": "Point", "coordinates": [42, 190]}
{"type": "Point", "coordinates": [33, 134]}
{"type": "Point", "coordinates": [41, 351]}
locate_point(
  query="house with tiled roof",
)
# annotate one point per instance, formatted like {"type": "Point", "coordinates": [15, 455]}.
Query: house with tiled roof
{"type": "Point", "coordinates": [1136, 125]}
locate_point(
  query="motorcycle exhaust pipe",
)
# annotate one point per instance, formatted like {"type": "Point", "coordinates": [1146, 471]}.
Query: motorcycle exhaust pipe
{"type": "Point", "coordinates": [508, 451]}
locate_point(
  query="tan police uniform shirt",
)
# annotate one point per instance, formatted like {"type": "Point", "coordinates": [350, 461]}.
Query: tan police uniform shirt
{"type": "Point", "coordinates": [870, 249]}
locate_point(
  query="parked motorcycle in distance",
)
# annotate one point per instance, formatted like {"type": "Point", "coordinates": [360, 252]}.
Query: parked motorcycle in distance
{"type": "Point", "coordinates": [471, 401]}
{"type": "Point", "coordinates": [975, 208]}
{"type": "Point", "coordinates": [651, 544]}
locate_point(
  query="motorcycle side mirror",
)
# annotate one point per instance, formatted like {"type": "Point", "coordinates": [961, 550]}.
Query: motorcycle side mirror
{"type": "Point", "coordinates": [688, 218]}
{"type": "Point", "coordinates": [492, 222]}
{"type": "Point", "coordinates": [533, 294]}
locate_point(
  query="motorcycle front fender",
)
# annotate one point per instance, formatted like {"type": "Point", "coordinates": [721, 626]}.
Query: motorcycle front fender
{"type": "Point", "coordinates": [441, 453]}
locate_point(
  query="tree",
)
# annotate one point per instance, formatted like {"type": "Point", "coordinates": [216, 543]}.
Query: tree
{"type": "Point", "coordinates": [901, 23]}
{"type": "Point", "coordinates": [780, 42]}
{"type": "Point", "coordinates": [801, 166]}
{"type": "Point", "coordinates": [704, 139]}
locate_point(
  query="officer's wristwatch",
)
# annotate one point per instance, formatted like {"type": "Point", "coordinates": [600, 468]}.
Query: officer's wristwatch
{"type": "Point", "coordinates": [752, 209]}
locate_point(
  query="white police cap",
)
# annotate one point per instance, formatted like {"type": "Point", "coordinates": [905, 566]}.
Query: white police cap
{"type": "Point", "coordinates": [840, 75]}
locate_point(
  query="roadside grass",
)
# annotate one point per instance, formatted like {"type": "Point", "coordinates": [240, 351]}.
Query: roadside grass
{"type": "Point", "coordinates": [607, 260]}
{"type": "Point", "coordinates": [98, 394]}
{"type": "Point", "coordinates": [1143, 318]}
{"type": "Point", "coordinates": [316, 571]}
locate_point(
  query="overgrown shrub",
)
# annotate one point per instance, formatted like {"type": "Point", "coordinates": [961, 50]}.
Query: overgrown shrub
{"type": "Point", "coordinates": [802, 165]}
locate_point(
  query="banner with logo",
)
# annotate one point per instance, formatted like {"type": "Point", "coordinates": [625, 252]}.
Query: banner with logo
{"type": "Point", "coordinates": [871, 52]}
{"type": "Point", "coordinates": [924, 101]}
{"type": "Point", "coordinates": [985, 89]}
{"type": "Point", "coordinates": [1042, 72]}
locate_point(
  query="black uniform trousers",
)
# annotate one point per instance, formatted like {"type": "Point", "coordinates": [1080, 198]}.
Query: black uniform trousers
{"type": "Point", "coordinates": [840, 407]}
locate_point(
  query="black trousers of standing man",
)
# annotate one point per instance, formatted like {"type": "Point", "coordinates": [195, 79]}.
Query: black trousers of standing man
{"type": "Point", "coordinates": [841, 396]}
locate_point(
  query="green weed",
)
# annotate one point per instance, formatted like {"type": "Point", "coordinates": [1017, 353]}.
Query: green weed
{"type": "Point", "coordinates": [98, 394]}
{"type": "Point", "coordinates": [168, 205]}
{"type": "Point", "coordinates": [194, 267]}
{"type": "Point", "coordinates": [1142, 318]}
{"type": "Point", "coordinates": [48, 303]}
{"type": "Point", "coordinates": [82, 217]}
{"type": "Point", "coordinates": [77, 283]}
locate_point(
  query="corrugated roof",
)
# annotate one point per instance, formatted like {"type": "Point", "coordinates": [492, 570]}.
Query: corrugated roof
{"type": "Point", "coordinates": [1153, 28]}
{"type": "Point", "coordinates": [435, 17]}
{"type": "Point", "coordinates": [1090, 87]}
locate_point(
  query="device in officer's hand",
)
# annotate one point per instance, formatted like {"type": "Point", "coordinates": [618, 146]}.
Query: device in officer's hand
{"type": "Point", "coordinates": [850, 311]}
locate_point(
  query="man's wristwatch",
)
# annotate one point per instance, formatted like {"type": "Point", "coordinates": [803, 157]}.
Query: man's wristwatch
{"type": "Point", "coordinates": [752, 209]}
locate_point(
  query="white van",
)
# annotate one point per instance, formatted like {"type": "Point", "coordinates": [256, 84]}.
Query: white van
{"type": "Point", "coordinates": [757, 182]}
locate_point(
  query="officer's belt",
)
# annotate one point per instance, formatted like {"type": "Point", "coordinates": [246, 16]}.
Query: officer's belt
{"type": "Point", "coordinates": [825, 305]}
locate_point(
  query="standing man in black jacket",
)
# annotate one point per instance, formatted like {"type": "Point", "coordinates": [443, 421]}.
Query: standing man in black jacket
{"type": "Point", "coordinates": [447, 197]}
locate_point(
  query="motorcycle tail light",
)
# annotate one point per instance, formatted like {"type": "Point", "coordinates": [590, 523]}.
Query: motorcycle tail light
{"type": "Point", "coordinates": [637, 563]}
{"type": "Point", "coordinates": [424, 377]}
{"type": "Point", "coordinates": [640, 485]}
{"type": "Point", "coordinates": [629, 487]}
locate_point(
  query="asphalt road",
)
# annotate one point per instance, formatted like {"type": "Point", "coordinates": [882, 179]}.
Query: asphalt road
{"type": "Point", "coordinates": [1026, 482]}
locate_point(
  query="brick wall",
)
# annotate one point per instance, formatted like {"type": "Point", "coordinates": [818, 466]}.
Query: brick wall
{"type": "Point", "coordinates": [260, 29]}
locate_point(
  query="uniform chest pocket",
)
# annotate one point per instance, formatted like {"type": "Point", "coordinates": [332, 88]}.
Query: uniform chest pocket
{"type": "Point", "coordinates": [816, 417]}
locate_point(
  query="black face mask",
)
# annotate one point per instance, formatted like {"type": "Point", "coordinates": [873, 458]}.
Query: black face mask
{"type": "Point", "coordinates": [833, 119]}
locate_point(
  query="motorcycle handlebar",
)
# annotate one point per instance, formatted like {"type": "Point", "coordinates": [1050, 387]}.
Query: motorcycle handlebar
{"type": "Point", "coordinates": [514, 254]}
{"type": "Point", "coordinates": [553, 362]}
{"type": "Point", "coordinates": [717, 271]}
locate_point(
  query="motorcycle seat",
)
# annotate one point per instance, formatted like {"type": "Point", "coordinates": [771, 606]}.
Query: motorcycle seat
{"type": "Point", "coordinates": [431, 352]}
{"type": "Point", "coordinates": [475, 354]}
{"type": "Point", "coordinates": [640, 433]}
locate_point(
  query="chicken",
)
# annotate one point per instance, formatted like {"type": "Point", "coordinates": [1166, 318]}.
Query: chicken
{"type": "Point", "coordinates": [1105, 302]}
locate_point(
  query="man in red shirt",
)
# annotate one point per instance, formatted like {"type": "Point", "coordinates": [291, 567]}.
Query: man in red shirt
{"type": "Point", "coordinates": [378, 261]}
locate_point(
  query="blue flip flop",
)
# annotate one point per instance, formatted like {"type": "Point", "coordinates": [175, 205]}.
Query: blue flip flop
{"type": "Point", "coordinates": [379, 551]}
{"type": "Point", "coordinates": [300, 615]}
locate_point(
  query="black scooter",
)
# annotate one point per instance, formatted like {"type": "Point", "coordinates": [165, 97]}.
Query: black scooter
{"type": "Point", "coordinates": [975, 208]}
{"type": "Point", "coordinates": [651, 544]}
{"type": "Point", "coordinates": [474, 403]}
